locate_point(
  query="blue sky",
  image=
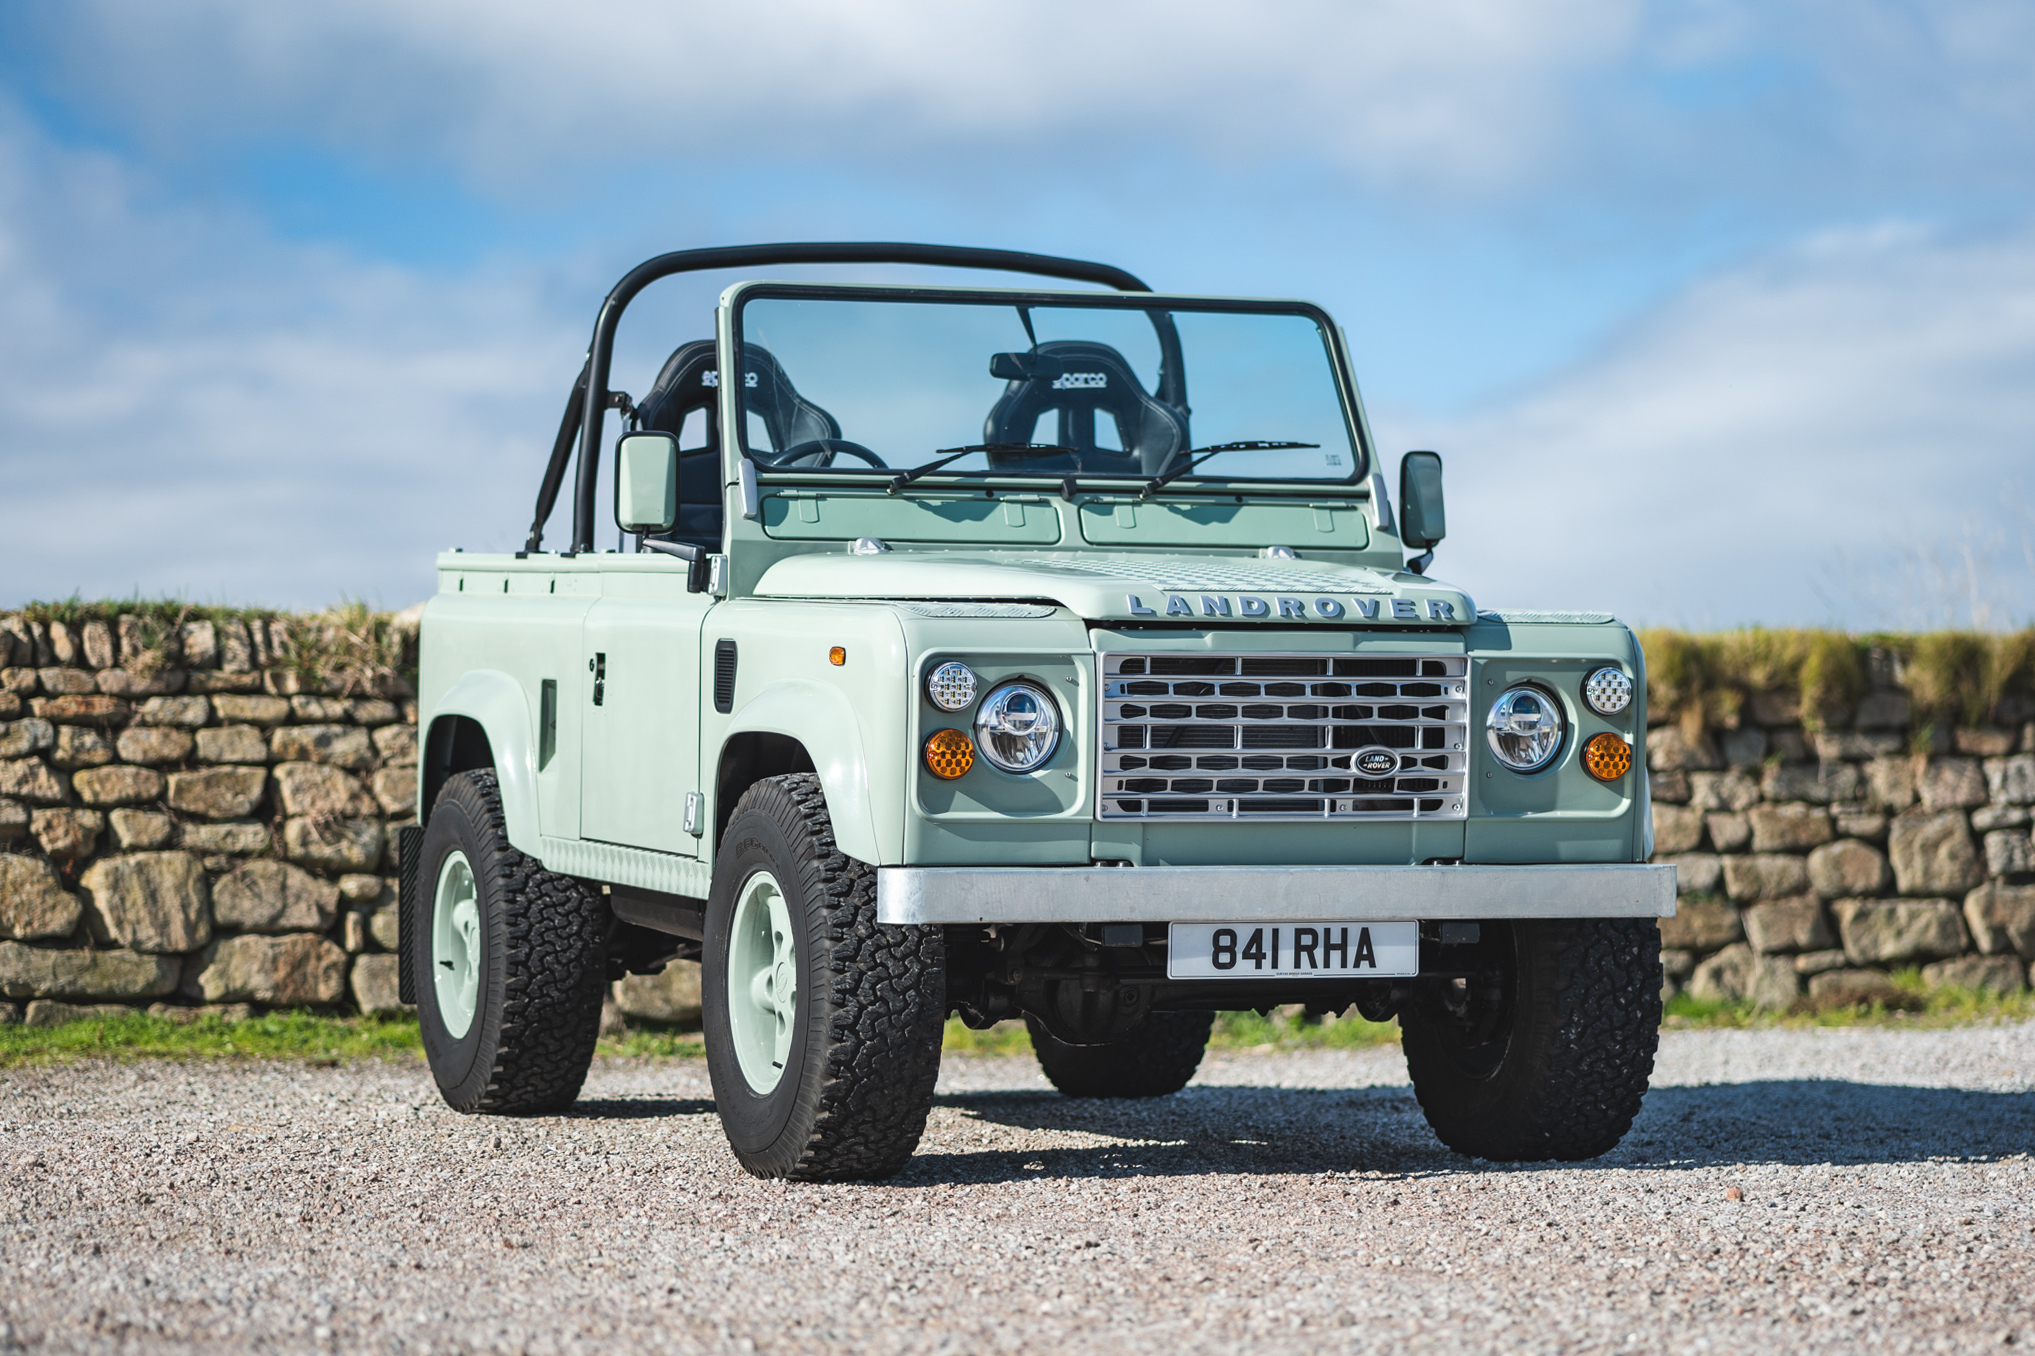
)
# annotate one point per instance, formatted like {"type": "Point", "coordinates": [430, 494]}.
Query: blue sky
{"type": "Point", "coordinates": [1720, 312]}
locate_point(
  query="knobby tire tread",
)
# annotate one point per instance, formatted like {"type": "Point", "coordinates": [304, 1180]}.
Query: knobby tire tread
{"type": "Point", "coordinates": [554, 981]}
{"type": "Point", "coordinates": [887, 991]}
{"type": "Point", "coordinates": [1589, 1076]}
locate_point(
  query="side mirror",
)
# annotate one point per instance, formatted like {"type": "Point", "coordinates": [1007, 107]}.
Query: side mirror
{"type": "Point", "coordinates": [646, 482]}
{"type": "Point", "coordinates": [1422, 520]}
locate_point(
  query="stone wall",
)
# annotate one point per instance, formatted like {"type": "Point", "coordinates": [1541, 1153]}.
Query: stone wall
{"type": "Point", "coordinates": [201, 813]}
{"type": "Point", "coordinates": [1812, 862]}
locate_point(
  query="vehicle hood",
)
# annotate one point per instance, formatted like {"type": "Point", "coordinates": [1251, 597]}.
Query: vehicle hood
{"type": "Point", "coordinates": [1103, 587]}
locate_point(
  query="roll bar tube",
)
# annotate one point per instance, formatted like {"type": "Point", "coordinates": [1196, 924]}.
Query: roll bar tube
{"type": "Point", "coordinates": [591, 395]}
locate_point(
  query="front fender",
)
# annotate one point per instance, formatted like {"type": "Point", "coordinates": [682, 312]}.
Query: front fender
{"type": "Point", "coordinates": [496, 702]}
{"type": "Point", "coordinates": [821, 719]}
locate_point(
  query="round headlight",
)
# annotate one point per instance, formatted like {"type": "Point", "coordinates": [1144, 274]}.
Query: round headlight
{"type": "Point", "coordinates": [1525, 728]}
{"type": "Point", "coordinates": [951, 686]}
{"type": "Point", "coordinates": [1608, 691]}
{"type": "Point", "coordinates": [1018, 727]}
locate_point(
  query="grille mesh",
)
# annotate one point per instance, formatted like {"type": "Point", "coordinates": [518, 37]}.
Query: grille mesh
{"type": "Point", "coordinates": [1268, 736]}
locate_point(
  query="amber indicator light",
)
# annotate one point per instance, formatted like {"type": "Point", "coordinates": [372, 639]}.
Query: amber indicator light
{"type": "Point", "coordinates": [1607, 757]}
{"type": "Point", "coordinates": [949, 753]}
{"type": "Point", "coordinates": [837, 656]}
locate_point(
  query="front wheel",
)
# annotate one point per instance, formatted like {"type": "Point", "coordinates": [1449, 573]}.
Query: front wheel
{"type": "Point", "coordinates": [1155, 1058]}
{"type": "Point", "coordinates": [1545, 1049]}
{"type": "Point", "coordinates": [822, 1025]}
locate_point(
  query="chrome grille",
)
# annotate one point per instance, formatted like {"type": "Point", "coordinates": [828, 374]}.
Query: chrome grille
{"type": "Point", "coordinates": [1272, 736]}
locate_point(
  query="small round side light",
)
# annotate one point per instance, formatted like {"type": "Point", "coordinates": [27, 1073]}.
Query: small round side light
{"type": "Point", "coordinates": [1607, 757]}
{"type": "Point", "coordinates": [837, 656]}
{"type": "Point", "coordinates": [1607, 691]}
{"type": "Point", "coordinates": [949, 754]}
{"type": "Point", "coordinates": [951, 687]}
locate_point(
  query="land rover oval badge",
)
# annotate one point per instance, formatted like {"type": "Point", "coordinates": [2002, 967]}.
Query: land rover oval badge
{"type": "Point", "coordinates": [1376, 761]}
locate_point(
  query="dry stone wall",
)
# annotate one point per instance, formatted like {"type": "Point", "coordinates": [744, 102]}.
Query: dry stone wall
{"type": "Point", "coordinates": [202, 815]}
{"type": "Point", "coordinates": [199, 815]}
{"type": "Point", "coordinates": [1814, 862]}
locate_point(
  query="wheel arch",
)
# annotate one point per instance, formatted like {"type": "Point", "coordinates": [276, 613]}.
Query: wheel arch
{"type": "Point", "coordinates": [482, 721]}
{"type": "Point", "coordinates": [799, 726]}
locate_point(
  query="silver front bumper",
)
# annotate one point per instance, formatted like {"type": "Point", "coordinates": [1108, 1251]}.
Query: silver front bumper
{"type": "Point", "coordinates": [1185, 894]}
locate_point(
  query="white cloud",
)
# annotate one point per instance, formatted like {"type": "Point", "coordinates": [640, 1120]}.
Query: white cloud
{"type": "Point", "coordinates": [1825, 434]}
{"type": "Point", "coordinates": [189, 407]}
{"type": "Point", "coordinates": [1454, 92]}
{"type": "Point", "coordinates": [1533, 101]}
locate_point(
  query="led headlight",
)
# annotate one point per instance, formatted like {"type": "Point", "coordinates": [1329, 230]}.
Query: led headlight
{"type": "Point", "coordinates": [951, 686]}
{"type": "Point", "coordinates": [1018, 727]}
{"type": "Point", "coordinates": [1608, 691]}
{"type": "Point", "coordinates": [1525, 728]}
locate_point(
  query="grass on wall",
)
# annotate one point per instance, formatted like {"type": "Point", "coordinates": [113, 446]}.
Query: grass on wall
{"type": "Point", "coordinates": [1951, 677]}
{"type": "Point", "coordinates": [349, 649]}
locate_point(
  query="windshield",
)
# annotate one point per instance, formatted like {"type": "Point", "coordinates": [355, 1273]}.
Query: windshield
{"type": "Point", "coordinates": [860, 383]}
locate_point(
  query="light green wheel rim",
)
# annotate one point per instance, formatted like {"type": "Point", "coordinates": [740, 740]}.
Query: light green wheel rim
{"type": "Point", "coordinates": [762, 982]}
{"type": "Point", "coordinates": [455, 944]}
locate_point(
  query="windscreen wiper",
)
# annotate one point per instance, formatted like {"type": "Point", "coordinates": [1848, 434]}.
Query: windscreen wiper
{"type": "Point", "coordinates": [1198, 455]}
{"type": "Point", "coordinates": [945, 455]}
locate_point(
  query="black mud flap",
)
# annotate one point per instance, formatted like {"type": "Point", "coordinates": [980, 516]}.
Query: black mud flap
{"type": "Point", "coordinates": [409, 910]}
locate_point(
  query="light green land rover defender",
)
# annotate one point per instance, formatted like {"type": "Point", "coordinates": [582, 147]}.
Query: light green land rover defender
{"type": "Point", "coordinates": [1048, 653]}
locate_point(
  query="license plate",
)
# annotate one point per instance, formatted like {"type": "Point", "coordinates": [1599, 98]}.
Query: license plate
{"type": "Point", "coordinates": [1292, 950]}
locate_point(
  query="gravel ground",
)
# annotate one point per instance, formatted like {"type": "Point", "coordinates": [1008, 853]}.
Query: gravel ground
{"type": "Point", "coordinates": [1837, 1190]}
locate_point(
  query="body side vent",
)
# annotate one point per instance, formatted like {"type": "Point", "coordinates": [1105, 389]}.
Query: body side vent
{"type": "Point", "coordinates": [724, 676]}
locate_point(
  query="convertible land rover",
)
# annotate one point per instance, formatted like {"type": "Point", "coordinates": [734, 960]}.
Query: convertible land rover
{"type": "Point", "coordinates": [1048, 652]}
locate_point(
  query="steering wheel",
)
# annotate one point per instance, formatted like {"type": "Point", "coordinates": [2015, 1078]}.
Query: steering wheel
{"type": "Point", "coordinates": [826, 449]}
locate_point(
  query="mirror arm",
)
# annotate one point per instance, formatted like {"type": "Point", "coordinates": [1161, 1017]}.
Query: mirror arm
{"type": "Point", "coordinates": [1419, 564]}
{"type": "Point", "coordinates": [696, 577]}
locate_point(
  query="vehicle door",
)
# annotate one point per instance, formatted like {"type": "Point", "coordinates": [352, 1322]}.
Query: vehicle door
{"type": "Point", "coordinates": [640, 757]}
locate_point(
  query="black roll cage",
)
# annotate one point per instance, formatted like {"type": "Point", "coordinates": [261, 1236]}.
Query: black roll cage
{"type": "Point", "coordinates": [587, 407]}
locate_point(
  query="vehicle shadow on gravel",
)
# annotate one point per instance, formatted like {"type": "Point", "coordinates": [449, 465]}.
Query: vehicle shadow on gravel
{"type": "Point", "coordinates": [1244, 1130]}
{"type": "Point", "coordinates": [1204, 1130]}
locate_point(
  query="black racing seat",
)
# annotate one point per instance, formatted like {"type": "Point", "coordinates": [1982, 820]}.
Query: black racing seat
{"type": "Point", "coordinates": [690, 380]}
{"type": "Point", "coordinates": [1090, 379]}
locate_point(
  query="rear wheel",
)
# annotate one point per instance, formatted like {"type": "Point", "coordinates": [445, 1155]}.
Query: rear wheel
{"type": "Point", "coordinates": [822, 1025]}
{"type": "Point", "coordinates": [1154, 1058]}
{"type": "Point", "coordinates": [512, 964]}
{"type": "Point", "coordinates": [1544, 1053]}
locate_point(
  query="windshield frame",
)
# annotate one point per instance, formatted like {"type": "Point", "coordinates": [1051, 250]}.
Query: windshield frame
{"type": "Point", "coordinates": [736, 298]}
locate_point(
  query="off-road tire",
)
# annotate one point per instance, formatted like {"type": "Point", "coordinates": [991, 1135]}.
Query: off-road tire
{"type": "Point", "coordinates": [1569, 1055]}
{"type": "Point", "coordinates": [852, 1100]}
{"type": "Point", "coordinates": [538, 1011]}
{"type": "Point", "coordinates": [1155, 1058]}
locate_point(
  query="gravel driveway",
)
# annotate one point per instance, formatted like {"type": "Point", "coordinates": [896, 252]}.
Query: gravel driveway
{"type": "Point", "coordinates": [1832, 1190]}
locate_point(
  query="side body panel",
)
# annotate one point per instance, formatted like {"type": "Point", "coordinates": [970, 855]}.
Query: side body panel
{"type": "Point", "coordinates": [849, 717]}
{"type": "Point", "coordinates": [497, 701]}
{"type": "Point", "coordinates": [518, 621]}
